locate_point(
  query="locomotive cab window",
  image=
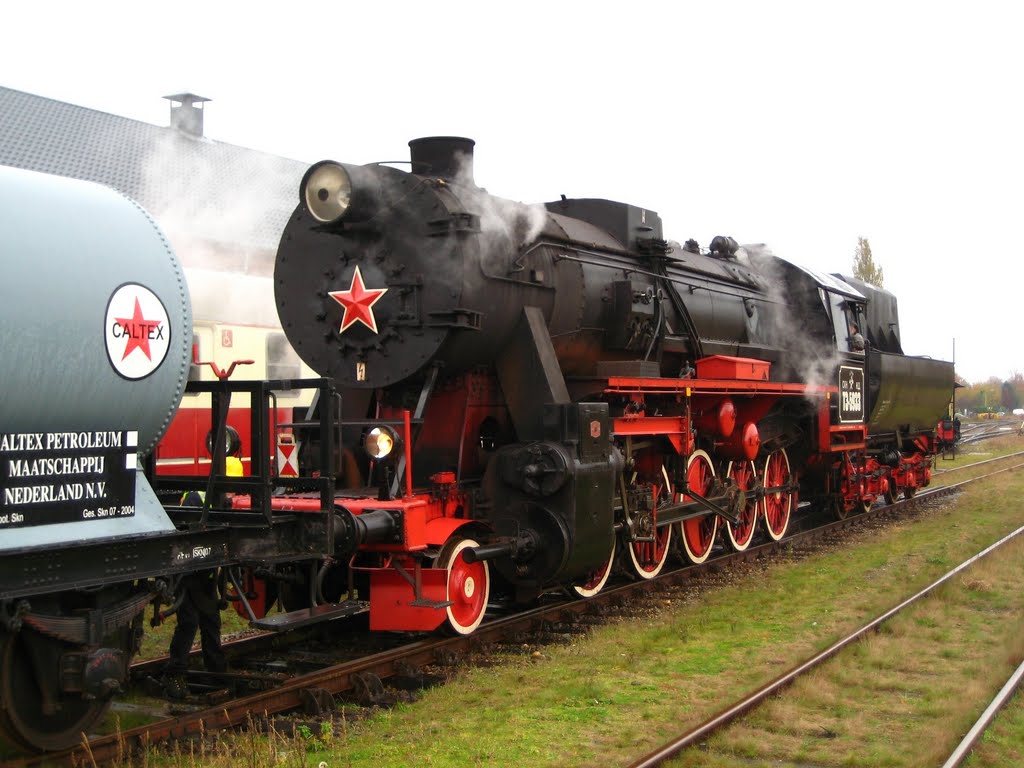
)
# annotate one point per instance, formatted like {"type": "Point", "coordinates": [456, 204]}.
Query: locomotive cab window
{"type": "Point", "coordinates": [848, 320]}
{"type": "Point", "coordinates": [282, 361]}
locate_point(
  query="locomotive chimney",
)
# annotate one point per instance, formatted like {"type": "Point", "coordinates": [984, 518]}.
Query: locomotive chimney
{"type": "Point", "coordinates": [444, 156]}
{"type": "Point", "coordinates": [187, 113]}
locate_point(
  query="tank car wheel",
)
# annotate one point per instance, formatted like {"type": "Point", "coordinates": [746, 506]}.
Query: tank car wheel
{"type": "Point", "coordinates": [778, 506]}
{"type": "Point", "coordinates": [595, 582]}
{"type": "Point", "coordinates": [698, 533]}
{"type": "Point", "coordinates": [32, 719]}
{"type": "Point", "coordinates": [891, 494]}
{"type": "Point", "coordinates": [469, 586]}
{"type": "Point", "coordinates": [744, 475]}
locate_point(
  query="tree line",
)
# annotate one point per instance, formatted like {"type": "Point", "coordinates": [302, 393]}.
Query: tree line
{"type": "Point", "coordinates": [991, 396]}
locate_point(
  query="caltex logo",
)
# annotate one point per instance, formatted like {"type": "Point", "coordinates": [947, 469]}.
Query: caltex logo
{"type": "Point", "coordinates": [137, 331]}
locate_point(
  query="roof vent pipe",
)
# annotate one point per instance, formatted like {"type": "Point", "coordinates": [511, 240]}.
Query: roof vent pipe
{"type": "Point", "coordinates": [187, 113]}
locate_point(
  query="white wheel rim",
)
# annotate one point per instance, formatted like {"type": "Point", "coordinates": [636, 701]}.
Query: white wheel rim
{"type": "Point", "coordinates": [468, 590]}
{"type": "Point", "coordinates": [694, 557]}
{"type": "Point", "coordinates": [753, 526]}
{"type": "Point", "coordinates": [583, 591]}
{"type": "Point", "coordinates": [778, 495]}
{"type": "Point", "coordinates": [641, 569]}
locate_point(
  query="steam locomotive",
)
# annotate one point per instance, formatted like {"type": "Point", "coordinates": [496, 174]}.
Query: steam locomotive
{"type": "Point", "coordinates": [541, 388]}
{"type": "Point", "coordinates": [513, 399]}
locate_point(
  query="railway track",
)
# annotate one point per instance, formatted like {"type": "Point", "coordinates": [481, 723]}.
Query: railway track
{"type": "Point", "coordinates": [968, 742]}
{"type": "Point", "coordinates": [976, 464]}
{"type": "Point", "coordinates": [749, 702]}
{"type": "Point", "coordinates": [976, 433]}
{"type": "Point", "coordinates": [364, 678]}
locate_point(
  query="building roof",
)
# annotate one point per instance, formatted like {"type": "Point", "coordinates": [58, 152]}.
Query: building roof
{"type": "Point", "coordinates": [234, 199]}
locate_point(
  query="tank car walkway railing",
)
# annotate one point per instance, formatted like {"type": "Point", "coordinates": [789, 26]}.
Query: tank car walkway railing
{"type": "Point", "coordinates": [261, 406]}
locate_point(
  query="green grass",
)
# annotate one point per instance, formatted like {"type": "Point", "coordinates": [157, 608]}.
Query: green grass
{"type": "Point", "coordinates": [904, 696]}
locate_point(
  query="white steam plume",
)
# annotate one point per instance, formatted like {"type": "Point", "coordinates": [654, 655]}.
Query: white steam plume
{"type": "Point", "coordinates": [813, 359]}
{"type": "Point", "coordinates": [500, 219]}
{"type": "Point", "coordinates": [224, 219]}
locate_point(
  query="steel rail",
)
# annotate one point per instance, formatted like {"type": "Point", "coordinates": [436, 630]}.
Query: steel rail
{"type": "Point", "coordinates": [964, 748]}
{"type": "Point", "coordinates": [343, 678]}
{"type": "Point", "coordinates": [1018, 454]}
{"type": "Point", "coordinates": [732, 712]}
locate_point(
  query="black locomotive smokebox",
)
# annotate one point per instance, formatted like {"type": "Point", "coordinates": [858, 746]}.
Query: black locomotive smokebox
{"type": "Point", "coordinates": [360, 305]}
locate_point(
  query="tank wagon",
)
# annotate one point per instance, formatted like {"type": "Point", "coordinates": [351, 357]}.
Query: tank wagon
{"type": "Point", "coordinates": [97, 346]}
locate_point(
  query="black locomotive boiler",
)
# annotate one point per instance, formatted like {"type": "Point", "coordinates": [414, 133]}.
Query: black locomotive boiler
{"type": "Point", "coordinates": [553, 389]}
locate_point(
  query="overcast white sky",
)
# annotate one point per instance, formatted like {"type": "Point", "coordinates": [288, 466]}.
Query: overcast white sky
{"type": "Point", "coordinates": [803, 125]}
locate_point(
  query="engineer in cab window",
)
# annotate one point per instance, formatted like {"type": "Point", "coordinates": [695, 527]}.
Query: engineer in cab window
{"type": "Point", "coordinates": [856, 339]}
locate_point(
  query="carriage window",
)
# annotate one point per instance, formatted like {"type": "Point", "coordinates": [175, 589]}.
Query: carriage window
{"type": "Point", "coordinates": [282, 362]}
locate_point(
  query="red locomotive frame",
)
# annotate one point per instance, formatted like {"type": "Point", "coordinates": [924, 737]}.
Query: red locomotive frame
{"type": "Point", "coordinates": [431, 568]}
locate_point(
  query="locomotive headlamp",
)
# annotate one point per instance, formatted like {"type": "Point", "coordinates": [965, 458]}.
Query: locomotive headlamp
{"type": "Point", "coordinates": [381, 443]}
{"type": "Point", "coordinates": [336, 192]}
{"type": "Point", "coordinates": [327, 191]}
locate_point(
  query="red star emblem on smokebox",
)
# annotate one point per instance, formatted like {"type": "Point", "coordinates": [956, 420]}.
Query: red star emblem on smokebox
{"type": "Point", "coordinates": [137, 329]}
{"type": "Point", "coordinates": [358, 303]}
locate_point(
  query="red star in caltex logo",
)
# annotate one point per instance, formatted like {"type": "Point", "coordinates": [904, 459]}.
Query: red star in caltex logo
{"type": "Point", "coordinates": [358, 303]}
{"type": "Point", "coordinates": [138, 331]}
